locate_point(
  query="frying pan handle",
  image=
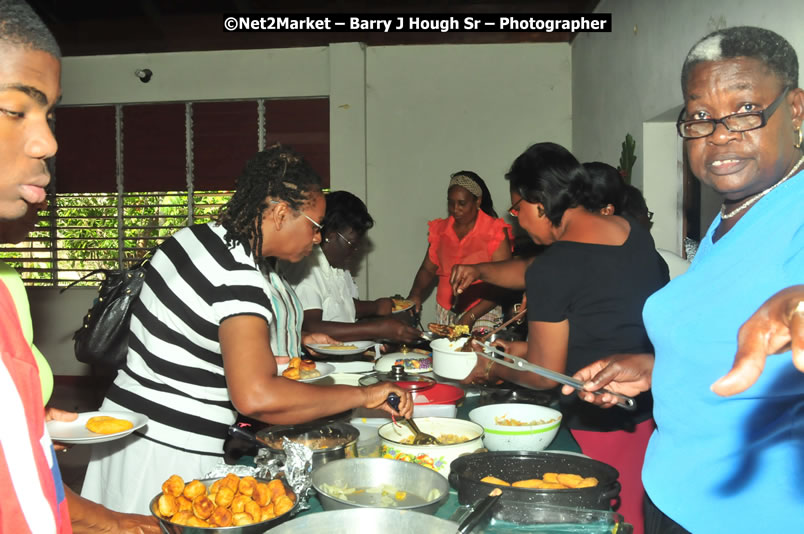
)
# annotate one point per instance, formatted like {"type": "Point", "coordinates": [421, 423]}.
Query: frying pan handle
{"type": "Point", "coordinates": [610, 494]}
{"type": "Point", "coordinates": [453, 479]}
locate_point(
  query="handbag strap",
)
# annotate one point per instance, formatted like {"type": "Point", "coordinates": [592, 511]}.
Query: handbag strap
{"type": "Point", "coordinates": [106, 272]}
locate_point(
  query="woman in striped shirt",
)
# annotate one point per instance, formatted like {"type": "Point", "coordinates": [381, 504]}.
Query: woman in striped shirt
{"type": "Point", "coordinates": [210, 321]}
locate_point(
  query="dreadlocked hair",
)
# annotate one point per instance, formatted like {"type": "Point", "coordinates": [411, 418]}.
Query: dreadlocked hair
{"type": "Point", "coordinates": [277, 172]}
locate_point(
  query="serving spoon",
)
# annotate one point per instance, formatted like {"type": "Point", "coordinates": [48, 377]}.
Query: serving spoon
{"type": "Point", "coordinates": [419, 437]}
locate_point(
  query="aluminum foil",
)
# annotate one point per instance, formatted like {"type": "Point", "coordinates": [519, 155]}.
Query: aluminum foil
{"type": "Point", "coordinates": [223, 469]}
{"type": "Point", "coordinates": [297, 469]}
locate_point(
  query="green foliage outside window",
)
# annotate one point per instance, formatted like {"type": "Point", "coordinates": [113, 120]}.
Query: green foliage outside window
{"type": "Point", "coordinates": [80, 233]}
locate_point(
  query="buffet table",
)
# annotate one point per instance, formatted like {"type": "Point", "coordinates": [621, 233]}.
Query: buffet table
{"type": "Point", "coordinates": [562, 442]}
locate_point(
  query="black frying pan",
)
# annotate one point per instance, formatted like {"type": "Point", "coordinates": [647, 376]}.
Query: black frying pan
{"type": "Point", "coordinates": [516, 503]}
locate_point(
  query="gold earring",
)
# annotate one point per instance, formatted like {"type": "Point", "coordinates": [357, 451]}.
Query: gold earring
{"type": "Point", "coordinates": [800, 137]}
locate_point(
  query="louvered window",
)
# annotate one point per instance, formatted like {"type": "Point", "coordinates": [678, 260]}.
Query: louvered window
{"type": "Point", "coordinates": [128, 176]}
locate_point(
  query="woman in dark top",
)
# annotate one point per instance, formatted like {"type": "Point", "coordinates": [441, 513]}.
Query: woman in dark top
{"type": "Point", "coordinates": [585, 297]}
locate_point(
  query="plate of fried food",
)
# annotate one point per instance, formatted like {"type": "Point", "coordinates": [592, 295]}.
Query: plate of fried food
{"type": "Point", "coordinates": [96, 427]}
{"type": "Point", "coordinates": [253, 503]}
{"type": "Point", "coordinates": [346, 348]}
{"type": "Point", "coordinates": [304, 370]}
{"type": "Point", "coordinates": [451, 331]}
{"type": "Point", "coordinates": [400, 305]}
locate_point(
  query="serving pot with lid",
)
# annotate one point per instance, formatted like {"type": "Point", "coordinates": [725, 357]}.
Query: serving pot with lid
{"type": "Point", "coordinates": [512, 466]}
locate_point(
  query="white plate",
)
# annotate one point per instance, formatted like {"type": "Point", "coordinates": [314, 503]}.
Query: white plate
{"type": "Point", "coordinates": [383, 365]}
{"type": "Point", "coordinates": [324, 368]}
{"type": "Point", "coordinates": [405, 308]}
{"type": "Point", "coordinates": [360, 346]}
{"type": "Point", "coordinates": [77, 432]}
{"type": "Point", "coordinates": [352, 367]}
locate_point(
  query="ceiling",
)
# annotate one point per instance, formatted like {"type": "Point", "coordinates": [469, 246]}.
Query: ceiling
{"type": "Point", "coordinates": [149, 26]}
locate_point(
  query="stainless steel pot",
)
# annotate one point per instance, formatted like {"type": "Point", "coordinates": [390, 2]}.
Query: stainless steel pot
{"type": "Point", "coordinates": [367, 521]}
{"type": "Point", "coordinates": [342, 434]}
{"type": "Point", "coordinates": [376, 472]}
{"type": "Point", "coordinates": [257, 528]}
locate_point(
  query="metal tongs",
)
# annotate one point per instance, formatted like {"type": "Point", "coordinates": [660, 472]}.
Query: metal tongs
{"type": "Point", "coordinates": [520, 364]}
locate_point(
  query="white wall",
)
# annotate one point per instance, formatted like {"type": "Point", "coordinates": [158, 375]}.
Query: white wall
{"type": "Point", "coordinates": [401, 120]}
{"type": "Point", "coordinates": [434, 110]}
{"type": "Point", "coordinates": [55, 317]}
{"type": "Point", "coordinates": [624, 78]}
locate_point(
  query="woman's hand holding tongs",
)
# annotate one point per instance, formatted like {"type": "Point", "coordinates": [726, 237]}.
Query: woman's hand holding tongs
{"type": "Point", "coordinates": [626, 374]}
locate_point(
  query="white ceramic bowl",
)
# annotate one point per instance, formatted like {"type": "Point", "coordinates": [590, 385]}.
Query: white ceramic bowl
{"type": "Point", "coordinates": [448, 362]}
{"type": "Point", "coordinates": [436, 457]}
{"type": "Point", "coordinates": [499, 437]}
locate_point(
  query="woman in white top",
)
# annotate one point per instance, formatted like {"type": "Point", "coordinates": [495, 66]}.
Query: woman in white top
{"type": "Point", "coordinates": [325, 286]}
{"type": "Point", "coordinates": [205, 331]}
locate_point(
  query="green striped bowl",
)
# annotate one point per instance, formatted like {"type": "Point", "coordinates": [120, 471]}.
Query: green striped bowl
{"type": "Point", "coordinates": [517, 427]}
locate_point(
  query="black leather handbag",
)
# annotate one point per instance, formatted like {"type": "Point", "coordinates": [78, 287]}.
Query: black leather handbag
{"type": "Point", "coordinates": [103, 339]}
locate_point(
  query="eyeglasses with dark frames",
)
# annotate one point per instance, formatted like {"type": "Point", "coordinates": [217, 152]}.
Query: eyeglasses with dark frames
{"type": "Point", "coordinates": [736, 122]}
{"type": "Point", "coordinates": [317, 228]}
{"type": "Point", "coordinates": [513, 211]}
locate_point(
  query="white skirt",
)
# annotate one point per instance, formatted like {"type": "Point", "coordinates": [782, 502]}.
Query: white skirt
{"type": "Point", "coordinates": [125, 474]}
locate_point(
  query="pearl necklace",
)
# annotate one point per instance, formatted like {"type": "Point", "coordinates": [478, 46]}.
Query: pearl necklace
{"type": "Point", "coordinates": [742, 207]}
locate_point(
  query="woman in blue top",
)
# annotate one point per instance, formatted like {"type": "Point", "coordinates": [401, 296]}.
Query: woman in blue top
{"type": "Point", "coordinates": [730, 463]}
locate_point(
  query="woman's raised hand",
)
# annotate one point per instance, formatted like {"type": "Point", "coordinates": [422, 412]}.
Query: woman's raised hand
{"type": "Point", "coordinates": [777, 326]}
{"type": "Point", "coordinates": [462, 277]}
{"type": "Point", "coordinates": [627, 374]}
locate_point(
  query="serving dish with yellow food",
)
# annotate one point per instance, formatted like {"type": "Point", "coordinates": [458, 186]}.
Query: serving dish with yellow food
{"type": "Point", "coordinates": [341, 349]}
{"type": "Point", "coordinates": [536, 478]}
{"type": "Point", "coordinates": [304, 370]}
{"type": "Point", "coordinates": [461, 437]}
{"type": "Point", "coordinates": [96, 427]}
{"type": "Point", "coordinates": [243, 505]}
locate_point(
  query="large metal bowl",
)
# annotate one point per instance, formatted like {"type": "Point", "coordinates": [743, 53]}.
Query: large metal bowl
{"type": "Point", "coordinates": [375, 472]}
{"type": "Point", "coordinates": [367, 521]}
{"type": "Point", "coordinates": [257, 528]}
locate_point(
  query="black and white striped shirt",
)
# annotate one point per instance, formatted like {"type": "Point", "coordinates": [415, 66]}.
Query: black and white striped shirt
{"type": "Point", "coordinates": [174, 370]}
